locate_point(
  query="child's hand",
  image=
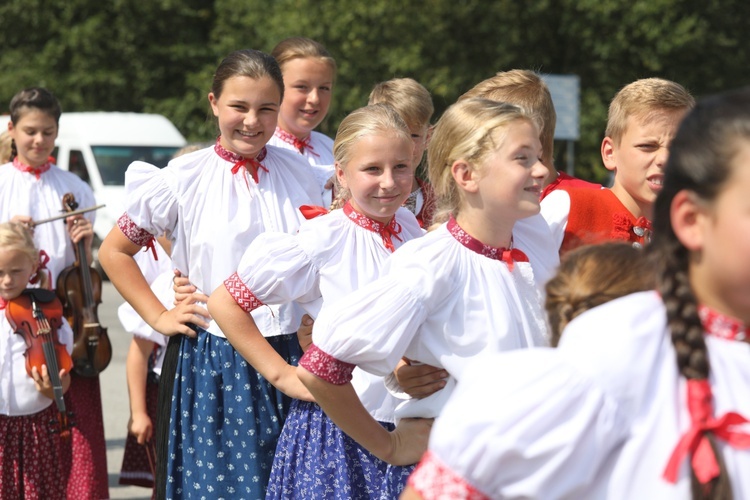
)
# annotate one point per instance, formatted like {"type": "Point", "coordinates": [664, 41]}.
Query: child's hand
{"type": "Point", "coordinates": [141, 427]}
{"type": "Point", "coordinates": [79, 228]}
{"type": "Point", "coordinates": [25, 220]}
{"type": "Point", "coordinates": [44, 384]}
{"type": "Point", "coordinates": [409, 440]}
{"type": "Point", "coordinates": [419, 381]}
{"type": "Point", "coordinates": [304, 333]}
{"type": "Point", "coordinates": [183, 289]}
{"type": "Point", "coordinates": [175, 321]}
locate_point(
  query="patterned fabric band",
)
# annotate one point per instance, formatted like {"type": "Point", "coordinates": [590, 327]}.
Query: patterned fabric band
{"type": "Point", "coordinates": [325, 366]}
{"type": "Point", "coordinates": [139, 236]}
{"type": "Point", "coordinates": [386, 231]}
{"type": "Point", "coordinates": [253, 165]}
{"type": "Point", "coordinates": [37, 171]}
{"type": "Point", "coordinates": [507, 255]}
{"type": "Point", "coordinates": [719, 325]}
{"type": "Point", "coordinates": [434, 480]}
{"type": "Point", "coordinates": [300, 144]}
{"type": "Point", "coordinates": [241, 293]}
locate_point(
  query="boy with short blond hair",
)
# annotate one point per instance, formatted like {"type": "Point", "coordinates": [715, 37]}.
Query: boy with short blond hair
{"type": "Point", "coordinates": [527, 89]}
{"type": "Point", "coordinates": [643, 119]}
{"type": "Point", "coordinates": [413, 103]}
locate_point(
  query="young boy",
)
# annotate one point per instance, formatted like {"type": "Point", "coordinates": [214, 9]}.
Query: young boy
{"type": "Point", "coordinates": [526, 89]}
{"type": "Point", "coordinates": [413, 103]}
{"type": "Point", "coordinates": [643, 119]}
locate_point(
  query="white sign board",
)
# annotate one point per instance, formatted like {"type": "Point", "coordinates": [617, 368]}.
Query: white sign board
{"type": "Point", "coordinates": [566, 96]}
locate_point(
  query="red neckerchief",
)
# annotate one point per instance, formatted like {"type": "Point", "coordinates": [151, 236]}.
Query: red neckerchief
{"type": "Point", "coordinates": [312, 211]}
{"type": "Point", "coordinates": [386, 231]}
{"type": "Point", "coordinates": [37, 171]}
{"type": "Point", "coordinates": [300, 144]}
{"type": "Point", "coordinates": [694, 441]}
{"type": "Point", "coordinates": [252, 164]}
{"type": "Point", "coordinates": [43, 260]}
{"type": "Point", "coordinates": [507, 255]}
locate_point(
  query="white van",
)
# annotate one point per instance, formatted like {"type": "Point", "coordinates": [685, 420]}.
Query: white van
{"type": "Point", "coordinates": [98, 146]}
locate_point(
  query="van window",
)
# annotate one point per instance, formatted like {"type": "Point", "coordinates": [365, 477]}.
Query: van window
{"type": "Point", "coordinates": [113, 161]}
{"type": "Point", "coordinates": [77, 165]}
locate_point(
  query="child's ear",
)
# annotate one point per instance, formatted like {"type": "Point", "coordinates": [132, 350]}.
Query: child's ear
{"type": "Point", "coordinates": [214, 103]}
{"type": "Point", "coordinates": [688, 215]}
{"type": "Point", "coordinates": [340, 175]}
{"type": "Point", "coordinates": [608, 154]}
{"type": "Point", "coordinates": [465, 176]}
{"type": "Point", "coordinates": [428, 136]}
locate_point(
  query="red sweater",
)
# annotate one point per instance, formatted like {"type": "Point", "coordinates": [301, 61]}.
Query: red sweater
{"type": "Point", "coordinates": [564, 181]}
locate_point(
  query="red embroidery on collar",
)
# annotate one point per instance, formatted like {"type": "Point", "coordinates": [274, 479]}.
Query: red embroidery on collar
{"type": "Point", "coordinates": [719, 325]}
{"type": "Point", "coordinates": [300, 144]}
{"type": "Point", "coordinates": [386, 231]}
{"type": "Point", "coordinates": [252, 164]}
{"type": "Point", "coordinates": [507, 255]}
{"type": "Point", "coordinates": [694, 441]}
{"type": "Point", "coordinates": [37, 171]}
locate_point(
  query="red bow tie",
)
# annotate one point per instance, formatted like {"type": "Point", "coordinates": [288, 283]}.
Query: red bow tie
{"type": "Point", "coordinates": [312, 211]}
{"type": "Point", "coordinates": [694, 441]}
{"type": "Point", "coordinates": [252, 165]}
{"type": "Point", "coordinates": [300, 144]}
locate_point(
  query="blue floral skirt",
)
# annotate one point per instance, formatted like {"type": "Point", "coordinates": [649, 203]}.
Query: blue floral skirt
{"type": "Point", "coordinates": [315, 459]}
{"type": "Point", "coordinates": [395, 480]}
{"type": "Point", "coordinates": [225, 420]}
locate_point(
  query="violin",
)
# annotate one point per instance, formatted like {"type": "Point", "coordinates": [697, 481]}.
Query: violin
{"type": "Point", "coordinates": [79, 287]}
{"type": "Point", "coordinates": [36, 315]}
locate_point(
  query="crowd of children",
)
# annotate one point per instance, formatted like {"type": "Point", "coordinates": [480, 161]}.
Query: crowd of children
{"type": "Point", "coordinates": [436, 292]}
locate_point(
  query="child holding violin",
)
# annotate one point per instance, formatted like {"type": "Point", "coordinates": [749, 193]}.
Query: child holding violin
{"type": "Point", "coordinates": [32, 189]}
{"type": "Point", "coordinates": [34, 450]}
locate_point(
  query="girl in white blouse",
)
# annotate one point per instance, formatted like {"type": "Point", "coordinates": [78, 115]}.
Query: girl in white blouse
{"type": "Point", "coordinates": [309, 73]}
{"type": "Point", "coordinates": [473, 285]}
{"type": "Point", "coordinates": [330, 257]}
{"type": "Point", "coordinates": [647, 395]}
{"type": "Point", "coordinates": [213, 203]}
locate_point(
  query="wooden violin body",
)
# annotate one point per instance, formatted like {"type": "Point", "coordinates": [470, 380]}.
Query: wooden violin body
{"type": "Point", "coordinates": [79, 288]}
{"type": "Point", "coordinates": [36, 315]}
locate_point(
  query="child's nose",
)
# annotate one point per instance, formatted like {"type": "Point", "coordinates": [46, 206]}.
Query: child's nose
{"type": "Point", "coordinates": [539, 171]}
{"type": "Point", "coordinates": [387, 180]}
{"type": "Point", "coordinates": [313, 96]}
{"type": "Point", "coordinates": [251, 119]}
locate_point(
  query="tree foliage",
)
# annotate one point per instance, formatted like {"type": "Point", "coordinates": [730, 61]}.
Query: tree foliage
{"type": "Point", "coordinates": [159, 56]}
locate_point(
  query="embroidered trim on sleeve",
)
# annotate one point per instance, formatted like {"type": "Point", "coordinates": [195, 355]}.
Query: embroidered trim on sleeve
{"type": "Point", "coordinates": [241, 293]}
{"type": "Point", "coordinates": [326, 366]}
{"type": "Point", "coordinates": [139, 236]}
{"type": "Point", "coordinates": [433, 480]}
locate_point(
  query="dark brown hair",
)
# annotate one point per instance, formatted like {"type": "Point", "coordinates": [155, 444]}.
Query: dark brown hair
{"type": "Point", "coordinates": [37, 98]}
{"type": "Point", "coordinates": [247, 62]}
{"type": "Point", "coordinates": [699, 162]}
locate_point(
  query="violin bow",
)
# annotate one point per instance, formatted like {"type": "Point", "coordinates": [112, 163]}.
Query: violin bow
{"type": "Point", "coordinates": [67, 214]}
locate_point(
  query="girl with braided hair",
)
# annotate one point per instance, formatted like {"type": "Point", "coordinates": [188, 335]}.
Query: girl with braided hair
{"type": "Point", "coordinates": [647, 395]}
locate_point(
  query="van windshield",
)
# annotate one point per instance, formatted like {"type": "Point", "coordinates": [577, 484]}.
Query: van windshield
{"type": "Point", "coordinates": [113, 161]}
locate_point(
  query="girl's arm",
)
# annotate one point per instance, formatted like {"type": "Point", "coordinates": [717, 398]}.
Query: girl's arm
{"type": "Point", "coordinates": [403, 446]}
{"type": "Point", "coordinates": [136, 370]}
{"type": "Point", "coordinates": [116, 256]}
{"type": "Point", "coordinates": [242, 332]}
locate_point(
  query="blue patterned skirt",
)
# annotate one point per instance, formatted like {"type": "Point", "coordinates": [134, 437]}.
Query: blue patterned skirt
{"type": "Point", "coordinates": [315, 459]}
{"type": "Point", "coordinates": [225, 420]}
{"type": "Point", "coordinates": [395, 480]}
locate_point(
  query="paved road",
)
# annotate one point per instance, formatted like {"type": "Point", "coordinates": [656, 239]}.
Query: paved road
{"type": "Point", "coordinates": [115, 395]}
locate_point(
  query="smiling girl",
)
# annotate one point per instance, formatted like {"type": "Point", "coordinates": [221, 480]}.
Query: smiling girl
{"type": "Point", "coordinates": [329, 258]}
{"type": "Point", "coordinates": [213, 203]}
{"type": "Point", "coordinates": [472, 285]}
{"type": "Point", "coordinates": [309, 72]}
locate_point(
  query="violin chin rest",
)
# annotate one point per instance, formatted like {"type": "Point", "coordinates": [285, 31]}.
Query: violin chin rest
{"type": "Point", "coordinates": [41, 294]}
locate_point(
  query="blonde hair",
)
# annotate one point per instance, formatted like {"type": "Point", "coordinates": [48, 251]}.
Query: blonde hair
{"type": "Point", "coordinates": [408, 97]}
{"type": "Point", "coordinates": [5, 147]}
{"type": "Point", "coordinates": [592, 275]}
{"type": "Point", "coordinates": [298, 47]}
{"type": "Point", "coordinates": [377, 119]}
{"type": "Point", "coordinates": [526, 89]}
{"type": "Point", "coordinates": [465, 131]}
{"type": "Point", "coordinates": [14, 236]}
{"type": "Point", "coordinates": [642, 97]}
